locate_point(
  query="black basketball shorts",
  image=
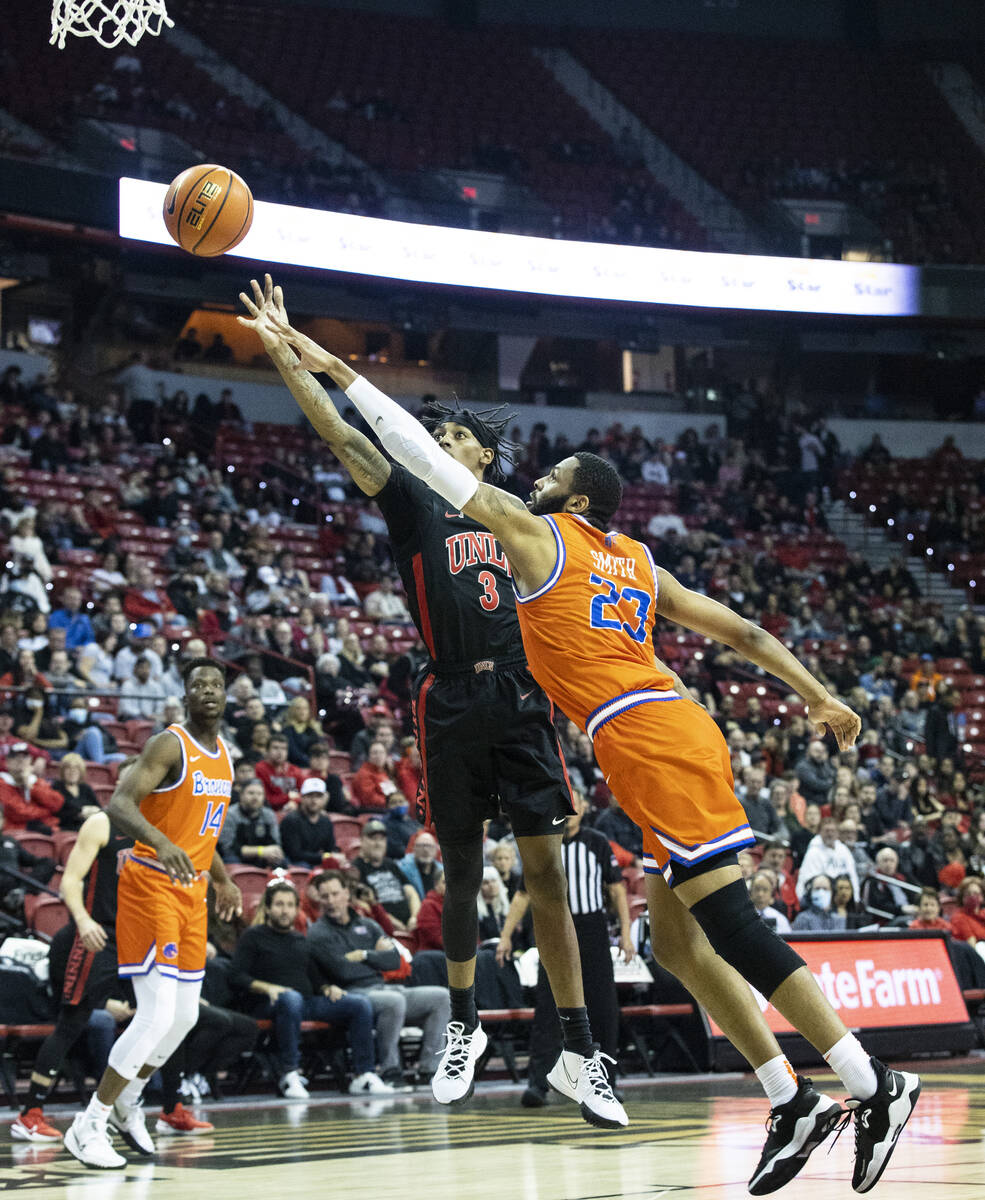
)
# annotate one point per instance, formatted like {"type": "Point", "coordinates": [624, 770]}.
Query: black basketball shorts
{"type": "Point", "coordinates": [488, 745]}
{"type": "Point", "coordinates": [79, 975]}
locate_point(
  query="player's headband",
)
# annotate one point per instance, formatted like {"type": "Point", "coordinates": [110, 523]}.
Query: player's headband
{"type": "Point", "coordinates": [487, 426]}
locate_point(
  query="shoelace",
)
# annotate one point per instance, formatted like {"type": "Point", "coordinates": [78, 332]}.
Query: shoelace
{"type": "Point", "coordinates": [457, 1049]}
{"type": "Point", "coordinates": [597, 1076]}
{"type": "Point", "coordinates": [851, 1107]}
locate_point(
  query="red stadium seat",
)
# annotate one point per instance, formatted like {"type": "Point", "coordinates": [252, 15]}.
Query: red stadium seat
{"type": "Point", "coordinates": [45, 914]}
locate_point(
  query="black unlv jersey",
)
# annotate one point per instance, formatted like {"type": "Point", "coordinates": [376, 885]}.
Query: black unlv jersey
{"type": "Point", "coordinates": [99, 890]}
{"type": "Point", "coordinates": [457, 579]}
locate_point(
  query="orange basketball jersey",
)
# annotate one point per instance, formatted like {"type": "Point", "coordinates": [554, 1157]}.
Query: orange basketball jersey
{"type": "Point", "coordinates": [191, 811]}
{"type": "Point", "coordinates": [587, 630]}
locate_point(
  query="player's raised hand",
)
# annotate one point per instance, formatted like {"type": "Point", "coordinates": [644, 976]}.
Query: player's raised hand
{"type": "Point", "coordinates": [313, 357]}
{"type": "Point", "coordinates": [265, 306]}
{"type": "Point", "coordinates": [839, 718]}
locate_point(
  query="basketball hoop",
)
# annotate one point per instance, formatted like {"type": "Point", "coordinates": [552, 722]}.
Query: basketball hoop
{"type": "Point", "coordinates": [109, 23]}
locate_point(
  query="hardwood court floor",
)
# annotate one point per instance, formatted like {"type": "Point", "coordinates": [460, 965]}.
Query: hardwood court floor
{"type": "Point", "coordinates": [688, 1135]}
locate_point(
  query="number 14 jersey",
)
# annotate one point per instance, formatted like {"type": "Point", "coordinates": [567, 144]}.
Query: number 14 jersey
{"type": "Point", "coordinates": [588, 629]}
{"type": "Point", "coordinates": [190, 812]}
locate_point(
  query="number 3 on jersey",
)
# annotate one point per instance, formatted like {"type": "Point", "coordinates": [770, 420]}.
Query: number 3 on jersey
{"type": "Point", "coordinates": [490, 596]}
{"type": "Point", "coordinates": [609, 597]}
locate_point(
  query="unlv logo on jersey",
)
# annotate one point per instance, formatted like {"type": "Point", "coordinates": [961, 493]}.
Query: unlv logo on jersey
{"type": "Point", "coordinates": [472, 548]}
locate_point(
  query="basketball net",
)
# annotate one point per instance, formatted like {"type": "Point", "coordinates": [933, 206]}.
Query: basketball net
{"type": "Point", "coordinates": [109, 23]}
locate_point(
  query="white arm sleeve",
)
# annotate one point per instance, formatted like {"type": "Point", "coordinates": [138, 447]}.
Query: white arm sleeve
{"type": "Point", "coordinates": [411, 444]}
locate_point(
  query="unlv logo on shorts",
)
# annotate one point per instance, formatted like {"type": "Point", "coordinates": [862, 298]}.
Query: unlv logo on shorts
{"type": "Point", "coordinates": [171, 950]}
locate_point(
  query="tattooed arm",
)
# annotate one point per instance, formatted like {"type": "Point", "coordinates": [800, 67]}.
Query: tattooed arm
{"type": "Point", "coordinates": [367, 466]}
{"type": "Point", "coordinates": [528, 540]}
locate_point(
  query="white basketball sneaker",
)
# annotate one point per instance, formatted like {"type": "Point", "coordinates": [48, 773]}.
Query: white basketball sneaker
{"type": "Point", "coordinates": [454, 1080]}
{"type": "Point", "coordinates": [90, 1144]}
{"type": "Point", "coordinates": [129, 1123]}
{"type": "Point", "coordinates": [584, 1080]}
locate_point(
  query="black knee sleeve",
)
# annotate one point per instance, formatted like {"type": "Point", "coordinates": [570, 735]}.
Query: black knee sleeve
{"type": "Point", "coordinates": [460, 914]}
{"type": "Point", "coordinates": [739, 935]}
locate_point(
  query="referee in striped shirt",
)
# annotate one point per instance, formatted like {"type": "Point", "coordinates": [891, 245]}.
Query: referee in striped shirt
{"type": "Point", "coordinates": [592, 875]}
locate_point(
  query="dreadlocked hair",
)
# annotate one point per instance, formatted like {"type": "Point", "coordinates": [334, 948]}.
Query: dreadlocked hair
{"type": "Point", "coordinates": [488, 425]}
{"type": "Point", "coordinates": [600, 482]}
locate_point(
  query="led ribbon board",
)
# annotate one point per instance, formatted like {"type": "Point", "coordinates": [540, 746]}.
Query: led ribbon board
{"type": "Point", "coordinates": [507, 262]}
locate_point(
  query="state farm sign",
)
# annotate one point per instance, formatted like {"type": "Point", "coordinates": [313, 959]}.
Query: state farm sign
{"type": "Point", "coordinates": [878, 982]}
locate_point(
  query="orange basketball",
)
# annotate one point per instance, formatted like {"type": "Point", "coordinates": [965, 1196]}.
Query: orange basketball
{"type": "Point", "coordinates": [208, 210]}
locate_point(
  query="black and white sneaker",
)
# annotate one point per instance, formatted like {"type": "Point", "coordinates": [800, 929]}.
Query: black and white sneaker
{"type": "Point", "coordinates": [879, 1121]}
{"type": "Point", "coordinates": [585, 1081]}
{"type": "Point", "coordinates": [795, 1129]}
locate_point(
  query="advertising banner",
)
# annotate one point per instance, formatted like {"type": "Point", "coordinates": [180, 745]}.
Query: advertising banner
{"type": "Point", "coordinates": [878, 982]}
{"type": "Point", "coordinates": [507, 262]}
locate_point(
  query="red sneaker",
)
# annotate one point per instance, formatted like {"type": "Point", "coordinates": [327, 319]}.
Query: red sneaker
{"type": "Point", "coordinates": [32, 1127]}
{"type": "Point", "coordinates": [180, 1120]}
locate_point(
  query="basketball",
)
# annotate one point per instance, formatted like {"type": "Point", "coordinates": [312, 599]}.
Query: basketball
{"type": "Point", "coordinates": [208, 210]}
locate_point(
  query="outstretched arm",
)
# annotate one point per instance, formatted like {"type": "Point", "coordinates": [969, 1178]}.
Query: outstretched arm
{"type": "Point", "coordinates": [714, 620]}
{"type": "Point", "coordinates": [527, 540]}
{"type": "Point", "coordinates": [367, 466]}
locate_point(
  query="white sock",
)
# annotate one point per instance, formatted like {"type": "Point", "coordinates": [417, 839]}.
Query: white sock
{"type": "Point", "coordinates": [849, 1061]}
{"type": "Point", "coordinates": [130, 1096]}
{"type": "Point", "coordinates": [95, 1112]}
{"type": "Point", "coordinates": [779, 1080]}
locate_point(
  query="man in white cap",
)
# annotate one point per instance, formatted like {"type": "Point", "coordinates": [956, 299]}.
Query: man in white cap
{"type": "Point", "coordinates": [307, 834]}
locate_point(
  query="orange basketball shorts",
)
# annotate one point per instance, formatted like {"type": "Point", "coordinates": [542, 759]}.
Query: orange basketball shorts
{"type": "Point", "coordinates": [160, 923]}
{"type": "Point", "coordinates": [668, 766]}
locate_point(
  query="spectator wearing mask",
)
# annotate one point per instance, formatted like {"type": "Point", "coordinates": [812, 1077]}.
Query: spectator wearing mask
{"type": "Point", "coordinates": [401, 827]}
{"type": "Point", "coordinates": [968, 921]}
{"type": "Point", "coordinates": [827, 856]}
{"type": "Point", "coordinates": [281, 779]}
{"type": "Point", "coordinates": [816, 915]}
{"type": "Point", "coordinates": [307, 834]}
{"type": "Point", "coordinates": [251, 833]}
